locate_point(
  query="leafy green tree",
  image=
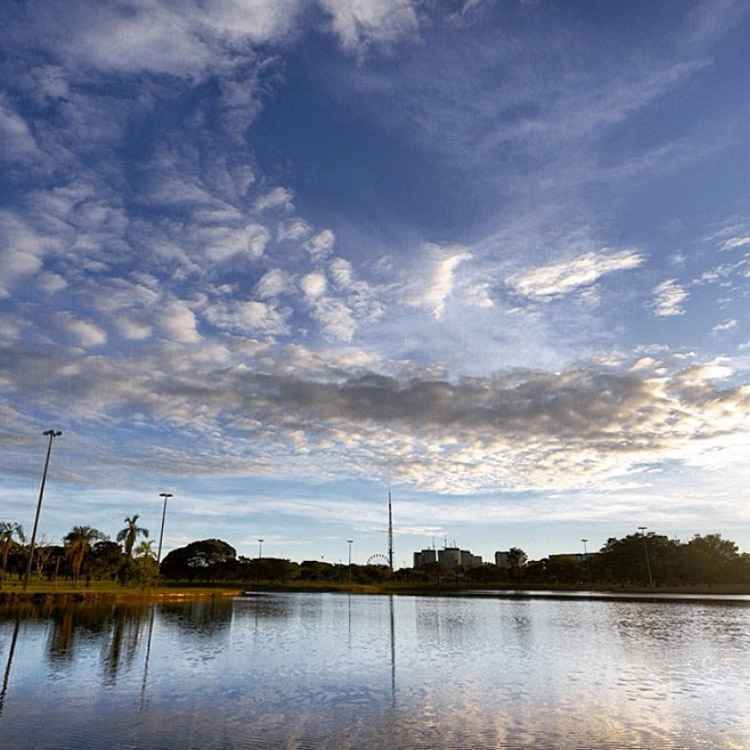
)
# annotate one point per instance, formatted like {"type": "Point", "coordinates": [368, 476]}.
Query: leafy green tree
{"type": "Point", "coordinates": [105, 559]}
{"type": "Point", "coordinates": [146, 569]}
{"type": "Point", "coordinates": [129, 535]}
{"type": "Point", "coordinates": [200, 559]}
{"type": "Point", "coordinates": [710, 558]}
{"type": "Point", "coordinates": [9, 532]}
{"type": "Point", "coordinates": [78, 543]}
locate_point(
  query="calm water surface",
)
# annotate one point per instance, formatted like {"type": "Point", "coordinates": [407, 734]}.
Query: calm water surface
{"type": "Point", "coordinates": [337, 671]}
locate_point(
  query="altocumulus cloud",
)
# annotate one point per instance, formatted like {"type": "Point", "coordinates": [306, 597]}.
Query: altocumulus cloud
{"type": "Point", "coordinates": [519, 429]}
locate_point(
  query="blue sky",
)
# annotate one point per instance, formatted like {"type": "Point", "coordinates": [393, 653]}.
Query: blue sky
{"type": "Point", "coordinates": [273, 255]}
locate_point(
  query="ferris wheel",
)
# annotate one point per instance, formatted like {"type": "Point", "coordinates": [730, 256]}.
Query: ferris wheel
{"type": "Point", "coordinates": [378, 559]}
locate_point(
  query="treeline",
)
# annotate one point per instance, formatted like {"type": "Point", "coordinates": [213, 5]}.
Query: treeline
{"type": "Point", "coordinates": [634, 560]}
{"type": "Point", "coordinates": [637, 559]}
{"type": "Point", "coordinates": [85, 554]}
{"type": "Point", "coordinates": [213, 560]}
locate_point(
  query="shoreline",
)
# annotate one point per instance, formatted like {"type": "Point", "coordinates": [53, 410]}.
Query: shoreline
{"type": "Point", "coordinates": [70, 595]}
{"type": "Point", "coordinates": [97, 594]}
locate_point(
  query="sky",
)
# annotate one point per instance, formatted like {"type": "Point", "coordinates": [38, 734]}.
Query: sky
{"type": "Point", "coordinates": [277, 256]}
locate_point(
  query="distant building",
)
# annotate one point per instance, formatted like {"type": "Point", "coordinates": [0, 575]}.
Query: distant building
{"type": "Point", "coordinates": [425, 557]}
{"type": "Point", "coordinates": [470, 561]}
{"type": "Point", "coordinates": [503, 560]}
{"type": "Point", "coordinates": [449, 558]}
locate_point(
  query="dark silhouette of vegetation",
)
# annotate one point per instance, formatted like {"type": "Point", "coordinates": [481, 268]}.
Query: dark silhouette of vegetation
{"type": "Point", "coordinates": [129, 535]}
{"type": "Point", "coordinates": [11, 534]}
{"type": "Point", "coordinates": [704, 560]}
{"type": "Point", "coordinates": [78, 543]}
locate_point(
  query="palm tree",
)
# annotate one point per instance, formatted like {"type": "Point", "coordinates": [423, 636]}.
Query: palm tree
{"type": "Point", "coordinates": [130, 534]}
{"type": "Point", "coordinates": [8, 530]}
{"type": "Point", "coordinates": [78, 544]}
{"type": "Point", "coordinates": [145, 550]}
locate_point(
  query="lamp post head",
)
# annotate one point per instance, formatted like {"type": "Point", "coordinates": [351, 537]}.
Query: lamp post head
{"type": "Point", "coordinates": [350, 541]}
{"type": "Point", "coordinates": [642, 528]}
{"type": "Point", "coordinates": [52, 433]}
{"type": "Point", "coordinates": [166, 494]}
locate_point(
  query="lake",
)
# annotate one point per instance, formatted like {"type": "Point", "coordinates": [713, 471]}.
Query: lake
{"type": "Point", "coordinates": [310, 671]}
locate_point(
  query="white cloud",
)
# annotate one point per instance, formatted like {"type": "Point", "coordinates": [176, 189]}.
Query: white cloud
{"type": "Point", "coordinates": [132, 330]}
{"type": "Point", "coordinates": [279, 197]}
{"type": "Point", "coordinates": [724, 325]}
{"type": "Point", "coordinates": [16, 138]}
{"type": "Point", "coordinates": [178, 323]}
{"type": "Point", "coordinates": [321, 244]}
{"type": "Point", "coordinates": [669, 298]}
{"type": "Point", "coordinates": [273, 283]}
{"type": "Point", "coordinates": [21, 250]}
{"type": "Point", "coordinates": [435, 279]}
{"type": "Point", "coordinates": [248, 316]}
{"type": "Point", "coordinates": [223, 243]}
{"type": "Point", "coordinates": [51, 282]}
{"type": "Point", "coordinates": [478, 295]}
{"type": "Point", "coordinates": [342, 273]}
{"type": "Point", "coordinates": [184, 39]}
{"type": "Point", "coordinates": [735, 242]}
{"type": "Point", "coordinates": [335, 318]}
{"type": "Point", "coordinates": [358, 22]}
{"type": "Point", "coordinates": [88, 334]}
{"type": "Point", "coordinates": [314, 285]}
{"type": "Point", "coordinates": [294, 230]}
{"type": "Point", "coordinates": [567, 276]}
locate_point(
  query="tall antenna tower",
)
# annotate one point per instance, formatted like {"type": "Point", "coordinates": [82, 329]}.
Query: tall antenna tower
{"type": "Point", "coordinates": [390, 533]}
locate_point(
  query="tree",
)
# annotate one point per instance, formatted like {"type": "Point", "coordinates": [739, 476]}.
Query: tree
{"type": "Point", "coordinates": [42, 555]}
{"type": "Point", "coordinates": [145, 549]}
{"type": "Point", "coordinates": [129, 535]}
{"type": "Point", "coordinates": [106, 559]}
{"type": "Point", "coordinates": [9, 531]}
{"type": "Point", "coordinates": [78, 544]}
{"type": "Point", "coordinates": [710, 558]}
{"type": "Point", "coordinates": [146, 569]}
{"type": "Point", "coordinates": [517, 557]}
{"type": "Point", "coordinates": [197, 560]}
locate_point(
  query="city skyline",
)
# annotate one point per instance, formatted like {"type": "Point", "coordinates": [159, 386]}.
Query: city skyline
{"type": "Point", "coordinates": [277, 257]}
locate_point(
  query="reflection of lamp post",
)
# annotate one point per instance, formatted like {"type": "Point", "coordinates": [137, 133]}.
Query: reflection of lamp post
{"type": "Point", "coordinates": [586, 558]}
{"type": "Point", "coordinates": [642, 529]}
{"type": "Point", "coordinates": [166, 496]}
{"type": "Point", "coordinates": [260, 549]}
{"type": "Point", "coordinates": [51, 434]}
{"type": "Point", "coordinates": [349, 542]}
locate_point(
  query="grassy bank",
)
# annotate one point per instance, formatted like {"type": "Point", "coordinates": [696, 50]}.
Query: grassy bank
{"type": "Point", "coordinates": [100, 591]}
{"type": "Point", "coordinates": [107, 591]}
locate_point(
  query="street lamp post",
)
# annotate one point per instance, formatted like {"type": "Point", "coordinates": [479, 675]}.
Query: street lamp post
{"type": "Point", "coordinates": [51, 434]}
{"type": "Point", "coordinates": [260, 549]}
{"type": "Point", "coordinates": [166, 496]}
{"type": "Point", "coordinates": [642, 529]}
{"type": "Point", "coordinates": [349, 542]}
{"type": "Point", "coordinates": [586, 557]}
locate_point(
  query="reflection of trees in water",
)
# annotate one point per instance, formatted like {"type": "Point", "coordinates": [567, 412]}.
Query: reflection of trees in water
{"type": "Point", "coordinates": [126, 628]}
{"type": "Point", "coordinates": [117, 628]}
{"type": "Point", "coordinates": [265, 608]}
{"type": "Point", "coordinates": [198, 618]}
